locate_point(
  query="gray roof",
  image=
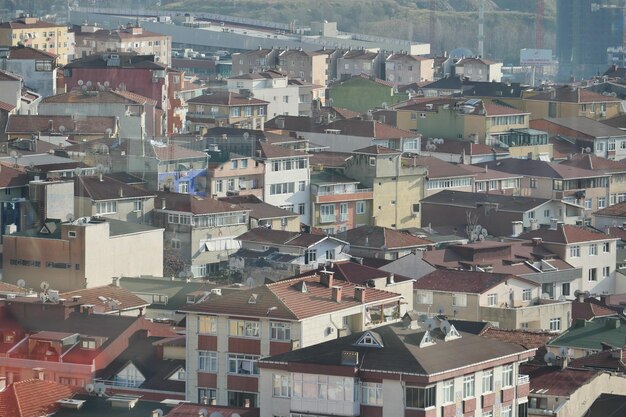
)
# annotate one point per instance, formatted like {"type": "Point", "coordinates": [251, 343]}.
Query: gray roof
{"type": "Point", "coordinates": [411, 265]}
{"type": "Point", "coordinates": [587, 126]}
{"type": "Point", "coordinates": [473, 200]}
{"type": "Point", "coordinates": [536, 168]}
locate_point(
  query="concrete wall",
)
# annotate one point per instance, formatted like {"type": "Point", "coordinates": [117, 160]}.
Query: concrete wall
{"type": "Point", "coordinates": [42, 82]}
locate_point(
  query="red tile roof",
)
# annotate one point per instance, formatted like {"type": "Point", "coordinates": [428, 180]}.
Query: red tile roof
{"type": "Point", "coordinates": [102, 298]}
{"type": "Point", "coordinates": [329, 159]}
{"type": "Point", "coordinates": [11, 177]}
{"type": "Point", "coordinates": [566, 234]}
{"type": "Point", "coordinates": [226, 99]}
{"type": "Point", "coordinates": [96, 97]}
{"type": "Point", "coordinates": [263, 235]}
{"type": "Point", "coordinates": [555, 381]}
{"type": "Point", "coordinates": [611, 359]}
{"type": "Point", "coordinates": [589, 311]}
{"type": "Point", "coordinates": [107, 188]}
{"type": "Point", "coordinates": [377, 150]}
{"type": "Point", "coordinates": [20, 24]}
{"type": "Point", "coordinates": [175, 152]}
{"type": "Point", "coordinates": [438, 168]}
{"type": "Point", "coordinates": [494, 109]}
{"type": "Point", "coordinates": [26, 52]}
{"type": "Point", "coordinates": [268, 151]}
{"type": "Point", "coordinates": [368, 129]}
{"type": "Point", "coordinates": [6, 106]}
{"type": "Point", "coordinates": [529, 339]}
{"type": "Point", "coordinates": [33, 398]}
{"type": "Point", "coordinates": [193, 204]}
{"type": "Point", "coordinates": [291, 302]}
{"type": "Point", "coordinates": [595, 163]}
{"type": "Point", "coordinates": [377, 237]}
{"type": "Point", "coordinates": [572, 94]}
{"type": "Point", "coordinates": [616, 210]}
{"type": "Point", "coordinates": [473, 282]}
{"type": "Point", "coordinates": [9, 76]}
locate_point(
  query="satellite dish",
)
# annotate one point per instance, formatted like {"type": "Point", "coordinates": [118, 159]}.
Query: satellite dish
{"type": "Point", "coordinates": [69, 217]}
{"type": "Point", "coordinates": [445, 326]}
{"type": "Point", "coordinates": [587, 149]}
{"type": "Point", "coordinates": [564, 352]}
{"type": "Point", "coordinates": [80, 82]}
{"type": "Point", "coordinates": [484, 232]}
{"type": "Point", "coordinates": [158, 412]}
{"type": "Point", "coordinates": [13, 154]}
{"type": "Point", "coordinates": [90, 388]}
{"type": "Point", "coordinates": [54, 296]}
{"type": "Point", "coordinates": [44, 285]}
{"type": "Point", "coordinates": [577, 293]}
{"type": "Point", "coordinates": [78, 171]}
{"type": "Point", "coordinates": [109, 131]}
{"type": "Point", "coordinates": [61, 128]}
{"type": "Point", "coordinates": [100, 168]}
{"type": "Point", "coordinates": [587, 294]}
{"type": "Point", "coordinates": [549, 358]}
{"type": "Point", "coordinates": [246, 135]}
{"type": "Point", "coordinates": [21, 283]}
{"type": "Point", "coordinates": [385, 105]}
{"type": "Point", "coordinates": [545, 296]}
{"type": "Point", "coordinates": [107, 84]}
{"type": "Point", "coordinates": [43, 297]}
{"type": "Point", "coordinates": [89, 83]}
{"type": "Point", "coordinates": [431, 323]}
{"type": "Point", "coordinates": [100, 388]}
{"type": "Point", "coordinates": [441, 310]}
{"type": "Point", "coordinates": [84, 88]}
{"type": "Point", "coordinates": [474, 237]}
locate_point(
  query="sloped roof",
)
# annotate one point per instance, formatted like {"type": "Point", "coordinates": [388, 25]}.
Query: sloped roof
{"type": "Point", "coordinates": [193, 410]}
{"type": "Point", "coordinates": [95, 97]}
{"type": "Point", "coordinates": [269, 151]}
{"type": "Point", "coordinates": [610, 360]}
{"type": "Point", "coordinates": [593, 334]}
{"type": "Point", "coordinates": [377, 150]}
{"type": "Point", "coordinates": [566, 234]}
{"type": "Point", "coordinates": [173, 152]}
{"type": "Point", "coordinates": [529, 339]}
{"type": "Point", "coordinates": [329, 159]}
{"type": "Point", "coordinates": [583, 127]}
{"type": "Point", "coordinates": [438, 168]}
{"type": "Point", "coordinates": [401, 352]}
{"type": "Point", "coordinates": [130, 60]}
{"type": "Point", "coordinates": [499, 108]}
{"type": "Point", "coordinates": [368, 128]}
{"type": "Point", "coordinates": [38, 123]}
{"type": "Point", "coordinates": [381, 238]}
{"type": "Point", "coordinates": [467, 147]}
{"type": "Point", "coordinates": [9, 76]}
{"type": "Point", "coordinates": [33, 398]}
{"type": "Point", "coordinates": [572, 94]}
{"type": "Point", "coordinates": [6, 106]}
{"type": "Point", "coordinates": [193, 204]}
{"type": "Point", "coordinates": [556, 381]}
{"type": "Point", "coordinates": [258, 208]}
{"type": "Point", "coordinates": [536, 168]}
{"type": "Point", "coordinates": [225, 98]}
{"type": "Point", "coordinates": [479, 60]}
{"type": "Point", "coordinates": [472, 200]}
{"type": "Point", "coordinates": [290, 301]}
{"type": "Point", "coordinates": [126, 300]}
{"type": "Point", "coordinates": [595, 163]}
{"type": "Point", "coordinates": [11, 177]}
{"type": "Point", "coordinates": [281, 237]}
{"type": "Point", "coordinates": [616, 210]}
{"type": "Point", "coordinates": [106, 189]}
{"type": "Point", "coordinates": [588, 311]}
{"type": "Point", "coordinates": [473, 282]}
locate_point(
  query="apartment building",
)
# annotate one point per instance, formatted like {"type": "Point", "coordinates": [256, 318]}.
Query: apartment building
{"type": "Point", "coordinates": [359, 61]}
{"type": "Point", "coordinates": [37, 67]}
{"type": "Point", "coordinates": [37, 34]}
{"type": "Point", "coordinates": [408, 369]}
{"type": "Point", "coordinates": [240, 175]}
{"type": "Point", "coordinates": [406, 69]}
{"type": "Point", "coordinates": [225, 109]}
{"type": "Point", "coordinates": [571, 101]}
{"type": "Point", "coordinates": [228, 334]}
{"type": "Point", "coordinates": [479, 69]}
{"type": "Point", "coordinates": [270, 86]}
{"type": "Point", "coordinates": [254, 61]}
{"type": "Point", "coordinates": [311, 67]}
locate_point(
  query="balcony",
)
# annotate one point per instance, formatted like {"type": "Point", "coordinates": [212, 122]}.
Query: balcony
{"type": "Point", "coordinates": [327, 218]}
{"type": "Point", "coordinates": [325, 196]}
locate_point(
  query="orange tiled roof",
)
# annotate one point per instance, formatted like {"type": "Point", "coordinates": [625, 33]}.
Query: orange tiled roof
{"type": "Point", "coordinates": [33, 398]}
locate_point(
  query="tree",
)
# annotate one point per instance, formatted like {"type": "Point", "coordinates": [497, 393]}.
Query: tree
{"type": "Point", "coordinates": [173, 263]}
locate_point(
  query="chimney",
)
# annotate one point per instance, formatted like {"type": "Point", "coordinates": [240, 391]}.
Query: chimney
{"type": "Point", "coordinates": [391, 279]}
{"type": "Point", "coordinates": [518, 228]}
{"type": "Point", "coordinates": [559, 225]}
{"type": "Point", "coordinates": [326, 278]}
{"type": "Point", "coordinates": [336, 295]}
{"type": "Point", "coordinates": [3, 383]}
{"type": "Point", "coordinates": [163, 204]}
{"type": "Point", "coordinates": [87, 309]}
{"type": "Point", "coordinates": [121, 193]}
{"type": "Point", "coordinates": [51, 125]}
{"type": "Point", "coordinates": [213, 401]}
{"type": "Point", "coordinates": [553, 224]}
{"type": "Point", "coordinates": [537, 241]}
{"type": "Point", "coordinates": [581, 297]}
{"type": "Point", "coordinates": [38, 373]}
{"type": "Point", "coordinates": [115, 281]}
{"type": "Point", "coordinates": [534, 224]}
{"type": "Point", "coordinates": [359, 294]}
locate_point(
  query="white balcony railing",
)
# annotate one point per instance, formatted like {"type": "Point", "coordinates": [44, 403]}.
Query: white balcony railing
{"type": "Point", "coordinates": [327, 218]}
{"type": "Point", "coordinates": [523, 379]}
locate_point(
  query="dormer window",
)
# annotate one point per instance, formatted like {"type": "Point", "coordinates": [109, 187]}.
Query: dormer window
{"type": "Point", "coordinates": [88, 344]}
{"type": "Point", "coordinates": [253, 299]}
{"type": "Point", "coordinates": [369, 339]}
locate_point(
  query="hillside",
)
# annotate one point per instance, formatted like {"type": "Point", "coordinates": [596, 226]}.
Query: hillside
{"type": "Point", "coordinates": [509, 24]}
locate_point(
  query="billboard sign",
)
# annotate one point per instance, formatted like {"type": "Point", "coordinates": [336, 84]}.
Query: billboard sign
{"type": "Point", "coordinates": [535, 56]}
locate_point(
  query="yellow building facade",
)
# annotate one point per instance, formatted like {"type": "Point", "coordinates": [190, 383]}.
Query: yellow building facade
{"type": "Point", "coordinates": [30, 31]}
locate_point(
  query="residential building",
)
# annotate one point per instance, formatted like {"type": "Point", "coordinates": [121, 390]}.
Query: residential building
{"type": "Point", "coordinates": [57, 129]}
{"type": "Point", "coordinates": [225, 109]}
{"type": "Point", "coordinates": [571, 101]}
{"type": "Point", "coordinates": [92, 39]}
{"type": "Point", "coordinates": [397, 187]}
{"type": "Point", "coordinates": [362, 92]}
{"type": "Point", "coordinates": [398, 370]}
{"type": "Point", "coordinates": [228, 334]}
{"type": "Point", "coordinates": [290, 192]}
{"type": "Point", "coordinates": [407, 69]}
{"type": "Point", "coordinates": [283, 253]}
{"type": "Point", "coordinates": [503, 300]}
{"type": "Point", "coordinates": [35, 33]}
{"type": "Point", "coordinates": [331, 56]}
{"type": "Point", "coordinates": [11, 93]}
{"type": "Point", "coordinates": [443, 86]}
{"type": "Point", "coordinates": [461, 151]}
{"type": "Point", "coordinates": [382, 242]}
{"type": "Point", "coordinates": [109, 299]}
{"type": "Point", "coordinates": [338, 203]}
{"type": "Point", "coordinates": [311, 67]}
{"type": "Point", "coordinates": [359, 61]}
{"type": "Point", "coordinates": [14, 204]}
{"type": "Point", "coordinates": [20, 398]}
{"type": "Point", "coordinates": [241, 175]}
{"type": "Point", "coordinates": [591, 250]}
{"type": "Point", "coordinates": [406, 115]}
{"type": "Point", "coordinates": [616, 170]}
{"type": "Point", "coordinates": [492, 181]}
{"type": "Point", "coordinates": [479, 69]}
{"type": "Point", "coordinates": [443, 175]}
{"type": "Point", "coordinates": [530, 260]}
{"type": "Point", "coordinates": [38, 68]}
{"type": "Point", "coordinates": [69, 255]}
{"type": "Point", "coordinates": [266, 215]}
{"type": "Point", "coordinates": [254, 61]}
{"type": "Point", "coordinates": [495, 212]}
{"type": "Point", "coordinates": [65, 341]}
{"type": "Point", "coordinates": [270, 86]}
{"type": "Point", "coordinates": [412, 266]}
{"type": "Point", "coordinates": [201, 230]}
{"type": "Point", "coordinates": [604, 141]}
{"type": "Point", "coordinates": [141, 74]}
{"type": "Point", "coordinates": [611, 217]}
{"type": "Point", "coordinates": [551, 180]}
{"type": "Point", "coordinates": [587, 337]}
{"type": "Point", "coordinates": [111, 198]}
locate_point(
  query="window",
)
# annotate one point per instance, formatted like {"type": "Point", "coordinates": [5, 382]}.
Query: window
{"type": "Point", "coordinates": [606, 271]}
{"type": "Point", "coordinates": [574, 251]}
{"type": "Point", "coordinates": [593, 274]}
{"type": "Point", "coordinates": [420, 397]}
{"type": "Point", "coordinates": [323, 387]}
{"type": "Point", "coordinates": [546, 213]}
{"type": "Point", "coordinates": [310, 256]}
{"type": "Point", "coordinates": [219, 186]}
{"type": "Point", "coordinates": [261, 111]}
{"type": "Point", "coordinates": [612, 199]}
{"type": "Point", "coordinates": [565, 288]}
{"type": "Point", "coordinates": [175, 243]}
{"type": "Point", "coordinates": [506, 411]}
{"type": "Point", "coordinates": [488, 380]}
{"type": "Point", "coordinates": [281, 386]}
{"type": "Point", "coordinates": [588, 203]}
{"type": "Point", "coordinates": [531, 214]}
{"type": "Point", "coordinates": [593, 249]}
{"type": "Point", "coordinates": [244, 328]}
{"type": "Point", "coordinates": [492, 300]}
{"type": "Point", "coordinates": [448, 391]}
{"type": "Point", "coordinates": [243, 364]}
{"type": "Point", "coordinates": [371, 393]}
{"type": "Point", "coordinates": [88, 344]}
{"type": "Point", "coordinates": [207, 325]}
{"type": "Point", "coordinates": [234, 163]}
{"type": "Point", "coordinates": [372, 160]}
{"type": "Point", "coordinates": [207, 361]}
{"type": "Point", "coordinates": [555, 324]}
{"type": "Point", "coordinates": [611, 146]}
{"type": "Point", "coordinates": [527, 294]}
{"type": "Point", "coordinates": [106, 207]}
{"type": "Point", "coordinates": [247, 111]}
{"type": "Point", "coordinates": [205, 395]}
{"type": "Point", "coordinates": [459, 300]}
{"type": "Point", "coordinates": [533, 183]}
{"type": "Point", "coordinates": [282, 188]}
{"type": "Point", "coordinates": [601, 202]}
{"type": "Point", "coordinates": [243, 164]}
{"type": "Point", "coordinates": [606, 247]}
{"type": "Point", "coordinates": [468, 386]}
{"type": "Point", "coordinates": [301, 185]}
{"type": "Point", "coordinates": [424, 297]}
{"type": "Point", "coordinates": [360, 207]}
{"type": "Point", "coordinates": [507, 375]}
{"type": "Point", "coordinates": [301, 209]}
{"type": "Point", "coordinates": [285, 99]}
{"type": "Point", "coordinates": [71, 234]}
{"type": "Point", "coordinates": [327, 213]}
{"type": "Point", "coordinates": [330, 254]}
{"type": "Point", "coordinates": [280, 331]}
{"type": "Point", "coordinates": [137, 205]}
{"type": "Point", "coordinates": [235, 112]}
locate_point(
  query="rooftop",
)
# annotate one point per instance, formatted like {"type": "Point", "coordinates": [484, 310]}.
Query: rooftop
{"type": "Point", "coordinates": [129, 60]}
{"type": "Point", "coordinates": [258, 208]}
{"type": "Point", "coordinates": [581, 124]}
{"type": "Point", "coordinates": [536, 168]}
{"type": "Point", "coordinates": [566, 234]}
{"type": "Point", "coordinates": [267, 236]}
{"type": "Point", "coordinates": [381, 238]}
{"type": "Point", "coordinates": [554, 381]}
{"type": "Point", "coordinates": [473, 200]}
{"type": "Point", "coordinates": [67, 125]}
{"type": "Point", "coordinates": [592, 334]}
{"type": "Point", "coordinates": [106, 188]}
{"type": "Point", "coordinates": [572, 94]}
{"type": "Point", "coordinates": [225, 98]}
{"type": "Point", "coordinates": [195, 205]}
{"type": "Point", "coordinates": [472, 282]}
